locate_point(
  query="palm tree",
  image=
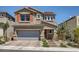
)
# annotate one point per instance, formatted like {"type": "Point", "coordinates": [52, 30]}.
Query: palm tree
{"type": "Point", "coordinates": [5, 27]}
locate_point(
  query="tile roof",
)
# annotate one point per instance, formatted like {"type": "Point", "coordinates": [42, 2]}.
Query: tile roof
{"type": "Point", "coordinates": [49, 13]}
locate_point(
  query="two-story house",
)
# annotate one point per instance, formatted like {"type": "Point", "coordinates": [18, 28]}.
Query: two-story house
{"type": "Point", "coordinates": [32, 24]}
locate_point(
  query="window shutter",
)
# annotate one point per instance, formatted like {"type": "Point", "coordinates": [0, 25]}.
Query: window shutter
{"type": "Point", "coordinates": [31, 18]}
{"type": "Point", "coordinates": [18, 17]}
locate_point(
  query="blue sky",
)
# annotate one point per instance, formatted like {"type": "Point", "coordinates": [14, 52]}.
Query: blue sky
{"type": "Point", "coordinates": [62, 12]}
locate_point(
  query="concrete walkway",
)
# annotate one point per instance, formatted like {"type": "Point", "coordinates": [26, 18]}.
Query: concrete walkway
{"type": "Point", "coordinates": [35, 49]}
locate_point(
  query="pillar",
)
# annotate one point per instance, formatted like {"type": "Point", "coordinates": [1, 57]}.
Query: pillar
{"type": "Point", "coordinates": [42, 35]}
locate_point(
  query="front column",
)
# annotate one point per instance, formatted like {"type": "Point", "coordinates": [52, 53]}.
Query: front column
{"type": "Point", "coordinates": [42, 35]}
{"type": "Point", "coordinates": [55, 35]}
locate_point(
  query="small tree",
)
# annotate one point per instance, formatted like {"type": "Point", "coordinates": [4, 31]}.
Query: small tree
{"type": "Point", "coordinates": [68, 35]}
{"type": "Point", "coordinates": [76, 35]}
{"type": "Point", "coordinates": [61, 32]}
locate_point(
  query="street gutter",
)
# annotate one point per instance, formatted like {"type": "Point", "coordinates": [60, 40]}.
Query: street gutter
{"type": "Point", "coordinates": [36, 49]}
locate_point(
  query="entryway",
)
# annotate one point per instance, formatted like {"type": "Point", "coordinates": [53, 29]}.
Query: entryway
{"type": "Point", "coordinates": [49, 33]}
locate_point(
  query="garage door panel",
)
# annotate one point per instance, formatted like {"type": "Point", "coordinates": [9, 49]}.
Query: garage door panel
{"type": "Point", "coordinates": [28, 34]}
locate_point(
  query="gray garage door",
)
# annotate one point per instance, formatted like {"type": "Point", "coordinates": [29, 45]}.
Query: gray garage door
{"type": "Point", "coordinates": [28, 34]}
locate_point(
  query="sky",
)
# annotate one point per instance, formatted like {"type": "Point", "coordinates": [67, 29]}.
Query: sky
{"type": "Point", "coordinates": [62, 12]}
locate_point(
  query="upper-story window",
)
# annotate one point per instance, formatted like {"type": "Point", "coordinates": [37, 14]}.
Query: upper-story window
{"type": "Point", "coordinates": [51, 17]}
{"type": "Point", "coordinates": [38, 16]}
{"type": "Point", "coordinates": [48, 17]}
{"type": "Point", "coordinates": [1, 14]}
{"type": "Point", "coordinates": [45, 17]}
{"type": "Point", "coordinates": [25, 17]}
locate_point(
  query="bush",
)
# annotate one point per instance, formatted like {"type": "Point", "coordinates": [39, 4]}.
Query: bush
{"type": "Point", "coordinates": [62, 45]}
{"type": "Point", "coordinates": [2, 40]}
{"type": "Point", "coordinates": [73, 45]}
{"type": "Point", "coordinates": [45, 43]}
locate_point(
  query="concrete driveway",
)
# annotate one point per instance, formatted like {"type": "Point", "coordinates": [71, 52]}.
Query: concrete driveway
{"type": "Point", "coordinates": [27, 43]}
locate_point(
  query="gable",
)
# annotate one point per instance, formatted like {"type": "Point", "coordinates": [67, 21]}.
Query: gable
{"type": "Point", "coordinates": [24, 10]}
{"type": "Point", "coordinates": [29, 9]}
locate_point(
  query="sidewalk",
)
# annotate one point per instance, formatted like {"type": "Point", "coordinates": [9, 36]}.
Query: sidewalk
{"type": "Point", "coordinates": [35, 49]}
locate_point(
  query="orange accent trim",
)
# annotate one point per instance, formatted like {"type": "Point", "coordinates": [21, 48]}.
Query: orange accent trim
{"type": "Point", "coordinates": [31, 18]}
{"type": "Point", "coordinates": [18, 17]}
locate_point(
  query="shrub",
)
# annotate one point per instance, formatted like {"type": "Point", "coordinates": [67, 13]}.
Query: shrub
{"type": "Point", "coordinates": [76, 35]}
{"type": "Point", "coordinates": [73, 45]}
{"type": "Point", "coordinates": [62, 45]}
{"type": "Point", "coordinates": [45, 43]}
{"type": "Point", "coordinates": [2, 40]}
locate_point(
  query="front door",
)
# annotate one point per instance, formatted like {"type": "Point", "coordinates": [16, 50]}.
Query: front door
{"type": "Point", "coordinates": [49, 33]}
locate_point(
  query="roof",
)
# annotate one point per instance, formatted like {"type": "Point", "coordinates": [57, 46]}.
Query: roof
{"type": "Point", "coordinates": [49, 13]}
{"type": "Point", "coordinates": [68, 19]}
{"type": "Point", "coordinates": [27, 25]}
{"type": "Point", "coordinates": [23, 9]}
{"type": "Point", "coordinates": [29, 9]}
{"type": "Point", "coordinates": [6, 14]}
{"type": "Point", "coordinates": [34, 10]}
{"type": "Point", "coordinates": [53, 24]}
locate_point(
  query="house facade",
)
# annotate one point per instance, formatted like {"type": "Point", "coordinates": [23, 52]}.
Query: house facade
{"type": "Point", "coordinates": [70, 25]}
{"type": "Point", "coordinates": [32, 24]}
{"type": "Point", "coordinates": [6, 17]}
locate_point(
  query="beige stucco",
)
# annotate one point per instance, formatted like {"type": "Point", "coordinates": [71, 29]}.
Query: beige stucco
{"type": "Point", "coordinates": [35, 21]}
{"type": "Point", "coordinates": [41, 28]}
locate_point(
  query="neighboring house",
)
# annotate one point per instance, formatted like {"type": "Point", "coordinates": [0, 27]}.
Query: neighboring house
{"type": "Point", "coordinates": [5, 17]}
{"type": "Point", "coordinates": [33, 24]}
{"type": "Point", "coordinates": [70, 25]}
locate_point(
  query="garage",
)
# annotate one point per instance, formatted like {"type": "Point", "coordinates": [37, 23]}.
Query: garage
{"type": "Point", "coordinates": [28, 34]}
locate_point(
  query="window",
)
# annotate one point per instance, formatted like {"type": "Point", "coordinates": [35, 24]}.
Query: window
{"type": "Point", "coordinates": [50, 31]}
{"type": "Point", "coordinates": [45, 18]}
{"type": "Point", "coordinates": [25, 17]}
{"type": "Point", "coordinates": [51, 17]}
{"type": "Point", "coordinates": [38, 16]}
{"type": "Point", "coordinates": [48, 17]}
{"type": "Point", "coordinates": [1, 14]}
{"type": "Point", "coordinates": [22, 17]}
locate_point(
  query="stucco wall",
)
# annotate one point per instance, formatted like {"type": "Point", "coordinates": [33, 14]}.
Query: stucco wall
{"type": "Point", "coordinates": [33, 18]}
{"type": "Point", "coordinates": [3, 19]}
{"type": "Point", "coordinates": [1, 32]}
{"type": "Point", "coordinates": [71, 25]}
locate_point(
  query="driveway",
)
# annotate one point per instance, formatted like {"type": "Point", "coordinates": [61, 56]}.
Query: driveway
{"type": "Point", "coordinates": [27, 43]}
